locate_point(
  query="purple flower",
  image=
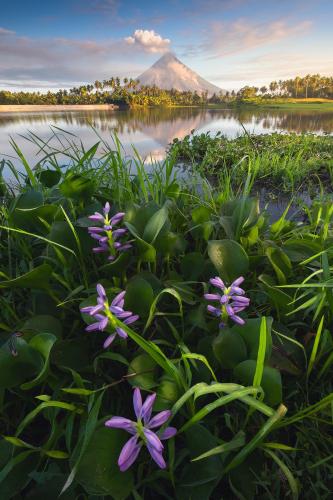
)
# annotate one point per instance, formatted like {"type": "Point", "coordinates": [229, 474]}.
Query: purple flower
{"type": "Point", "coordinates": [141, 431]}
{"type": "Point", "coordinates": [106, 315]}
{"type": "Point", "coordinates": [231, 302]}
{"type": "Point", "coordinates": [106, 236]}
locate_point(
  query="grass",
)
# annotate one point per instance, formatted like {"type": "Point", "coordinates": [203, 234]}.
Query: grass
{"type": "Point", "coordinates": [287, 162]}
{"type": "Point", "coordinates": [252, 403]}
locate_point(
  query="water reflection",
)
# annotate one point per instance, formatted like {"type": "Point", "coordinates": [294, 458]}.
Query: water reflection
{"type": "Point", "coordinates": [150, 130]}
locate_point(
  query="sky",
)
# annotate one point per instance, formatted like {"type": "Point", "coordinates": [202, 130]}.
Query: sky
{"type": "Point", "coordinates": [51, 45]}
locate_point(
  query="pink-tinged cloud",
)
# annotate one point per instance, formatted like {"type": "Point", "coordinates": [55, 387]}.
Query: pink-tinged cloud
{"type": "Point", "coordinates": [4, 31]}
{"type": "Point", "coordinates": [226, 39]}
{"type": "Point", "coordinates": [149, 41]}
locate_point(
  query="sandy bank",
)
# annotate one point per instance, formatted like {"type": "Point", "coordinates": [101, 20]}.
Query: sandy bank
{"type": "Point", "coordinates": [12, 108]}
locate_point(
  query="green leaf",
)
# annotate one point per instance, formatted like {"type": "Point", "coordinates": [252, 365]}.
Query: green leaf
{"type": "Point", "coordinates": [155, 225]}
{"type": "Point", "coordinates": [42, 323]}
{"type": "Point", "coordinates": [261, 353]}
{"type": "Point", "coordinates": [271, 380]}
{"type": "Point", "coordinates": [257, 439]}
{"type": "Point", "coordinates": [236, 442]}
{"type": "Point", "coordinates": [15, 369]}
{"type": "Point", "coordinates": [77, 186]}
{"type": "Point", "coordinates": [42, 343]}
{"type": "Point", "coordinates": [49, 178]}
{"type": "Point", "coordinates": [250, 332]}
{"type": "Point", "coordinates": [229, 258]}
{"type": "Point", "coordinates": [139, 297]}
{"type": "Point", "coordinates": [229, 348]}
{"type": "Point", "coordinates": [146, 369]}
{"type": "Point", "coordinates": [192, 266]}
{"type": "Point", "coordinates": [280, 262]}
{"type": "Point", "coordinates": [99, 472]}
{"type": "Point", "coordinates": [39, 278]}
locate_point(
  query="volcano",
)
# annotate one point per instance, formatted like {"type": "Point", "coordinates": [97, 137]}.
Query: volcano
{"type": "Point", "coordinates": [170, 73]}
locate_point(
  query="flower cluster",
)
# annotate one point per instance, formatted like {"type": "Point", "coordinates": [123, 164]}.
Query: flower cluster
{"type": "Point", "coordinates": [141, 431]}
{"type": "Point", "coordinates": [106, 315]}
{"type": "Point", "coordinates": [230, 303]}
{"type": "Point", "coordinates": [106, 235]}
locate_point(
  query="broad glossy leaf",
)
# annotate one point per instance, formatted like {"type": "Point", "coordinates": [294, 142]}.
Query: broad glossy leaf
{"type": "Point", "coordinates": [42, 343]}
{"type": "Point", "coordinates": [77, 186]}
{"type": "Point", "coordinates": [229, 258]}
{"type": "Point", "coordinates": [16, 369]}
{"type": "Point", "coordinates": [271, 380]}
{"type": "Point", "coordinates": [139, 297]}
{"type": "Point", "coordinates": [98, 471]}
{"type": "Point", "coordinates": [250, 332]}
{"type": "Point", "coordinates": [229, 348]}
{"type": "Point", "coordinates": [146, 369]}
{"type": "Point", "coordinates": [39, 277]}
{"type": "Point", "coordinates": [42, 323]}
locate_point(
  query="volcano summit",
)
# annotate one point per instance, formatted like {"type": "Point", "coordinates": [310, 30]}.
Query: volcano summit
{"type": "Point", "coordinates": [170, 73]}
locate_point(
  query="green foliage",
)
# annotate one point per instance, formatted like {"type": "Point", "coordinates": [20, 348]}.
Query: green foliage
{"type": "Point", "coordinates": [228, 388]}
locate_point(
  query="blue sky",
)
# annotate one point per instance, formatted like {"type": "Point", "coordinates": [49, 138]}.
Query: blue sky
{"type": "Point", "coordinates": [232, 43]}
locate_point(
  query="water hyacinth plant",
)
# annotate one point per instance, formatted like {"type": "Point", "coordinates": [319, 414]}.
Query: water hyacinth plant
{"type": "Point", "coordinates": [107, 314]}
{"type": "Point", "coordinates": [67, 404]}
{"type": "Point", "coordinates": [142, 431]}
{"type": "Point", "coordinates": [231, 302]}
{"type": "Point", "coordinates": [106, 236]}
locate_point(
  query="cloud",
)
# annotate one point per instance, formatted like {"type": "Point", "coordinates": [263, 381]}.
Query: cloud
{"type": "Point", "coordinates": [64, 62]}
{"type": "Point", "coordinates": [149, 41]}
{"type": "Point", "coordinates": [3, 31]}
{"type": "Point", "coordinates": [224, 39]}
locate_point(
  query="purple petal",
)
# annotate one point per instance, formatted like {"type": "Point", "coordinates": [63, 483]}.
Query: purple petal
{"type": "Point", "coordinates": [96, 309]}
{"type": "Point", "coordinates": [229, 310]}
{"type": "Point", "coordinates": [159, 419]}
{"type": "Point", "coordinates": [106, 208]}
{"type": "Point", "coordinates": [111, 257]}
{"type": "Point", "coordinates": [217, 282]}
{"type": "Point", "coordinates": [117, 218]}
{"type": "Point", "coordinates": [121, 423]}
{"type": "Point", "coordinates": [224, 299]}
{"type": "Point", "coordinates": [117, 245]}
{"type": "Point", "coordinates": [119, 232]}
{"type": "Point", "coordinates": [109, 340]}
{"type": "Point", "coordinates": [156, 456]}
{"type": "Point", "coordinates": [168, 433]}
{"type": "Point", "coordinates": [96, 236]}
{"type": "Point", "coordinates": [129, 453]}
{"type": "Point", "coordinates": [87, 309]}
{"type": "Point", "coordinates": [93, 327]}
{"type": "Point", "coordinates": [131, 319]}
{"type": "Point", "coordinates": [137, 402]}
{"type": "Point", "coordinates": [153, 440]}
{"type": "Point", "coordinates": [214, 310]}
{"type": "Point", "coordinates": [96, 217]}
{"type": "Point", "coordinates": [241, 300]}
{"type": "Point", "coordinates": [147, 407]}
{"type": "Point", "coordinates": [236, 290]}
{"type": "Point", "coordinates": [100, 249]}
{"type": "Point", "coordinates": [93, 229]}
{"type": "Point", "coordinates": [212, 296]}
{"type": "Point", "coordinates": [101, 291]}
{"type": "Point", "coordinates": [238, 281]}
{"type": "Point", "coordinates": [103, 323]}
{"type": "Point", "coordinates": [238, 309]}
{"type": "Point", "coordinates": [118, 299]}
{"type": "Point", "coordinates": [222, 325]}
{"type": "Point", "coordinates": [123, 314]}
{"type": "Point", "coordinates": [121, 332]}
{"type": "Point", "coordinates": [237, 319]}
{"type": "Point", "coordinates": [127, 246]}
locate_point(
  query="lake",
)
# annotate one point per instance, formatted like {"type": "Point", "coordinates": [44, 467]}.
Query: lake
{"type": "Point", "coordinates": [151, 130]}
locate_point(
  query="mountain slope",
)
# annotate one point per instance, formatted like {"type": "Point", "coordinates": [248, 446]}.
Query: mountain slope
{"type": "Point", "coordinates": [169, 72]}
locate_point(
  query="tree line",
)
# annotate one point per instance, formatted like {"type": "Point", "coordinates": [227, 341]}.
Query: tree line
{"type": "Point", "coordinates": [130, 92]}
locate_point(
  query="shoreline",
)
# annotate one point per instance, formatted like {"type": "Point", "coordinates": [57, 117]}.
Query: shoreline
{"type": "Point", "coordinates": [16, 108]}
